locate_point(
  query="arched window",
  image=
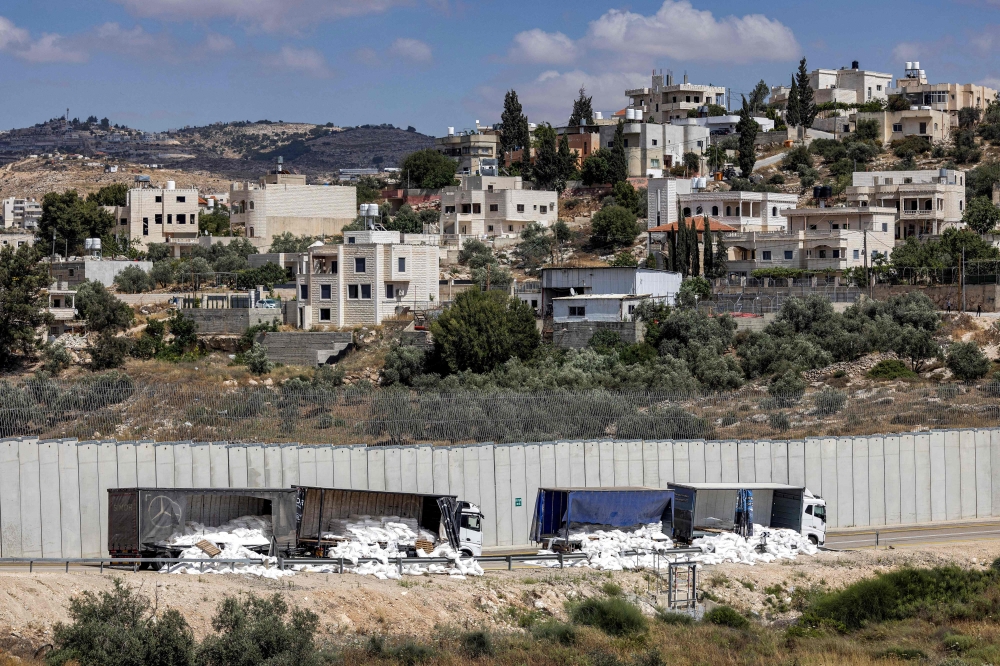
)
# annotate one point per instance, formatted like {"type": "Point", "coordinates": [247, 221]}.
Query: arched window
{"type": "Point", "coordinates": [729, 211]}
{"type": "Point", "coordinates": [251, 232]}
{"type": "Point", "coordinates": [774, 212]}
{"type": "Point", "coordinates": [687, 212]}
{"type": "Point", "coordinates": [699, 210]}
{"type": "Point", "coordinates": [715, 210]}
{"type": "Point", "coordinates": [251, 205]}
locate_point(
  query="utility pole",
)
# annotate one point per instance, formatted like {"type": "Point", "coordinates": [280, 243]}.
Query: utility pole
{"type": "Point", "coordinates": [868, 275]}
{"type": "Point", "coordinates": [961, 277]}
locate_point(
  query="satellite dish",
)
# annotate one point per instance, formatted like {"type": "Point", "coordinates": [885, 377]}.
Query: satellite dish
{"type": "Point", "coordinates": [572, 291]}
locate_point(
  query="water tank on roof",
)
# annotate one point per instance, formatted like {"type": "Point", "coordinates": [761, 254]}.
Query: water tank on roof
{"type": "Point", "coordinates": [909, 65]}
{"type": "Point", "coordinates": [914, 108]}
{"type": "Point", "coordinates": [925, 108]}
{"type": "Point", "coordinates": [451, 131]}
{"type": "Point", "coordinates": [92, 244]}
{"type": "Point", "coordinates": [702, 183]}
{"type": "Point", "coordinates": [171, 185]}
{"type": "Point", "coordinates": [598, 115]}
{"type": "Point", "coordinates": [916, 64]}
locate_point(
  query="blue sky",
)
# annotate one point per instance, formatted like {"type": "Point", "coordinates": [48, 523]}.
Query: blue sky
{"type": "Point", "coordinates": [158, 64]}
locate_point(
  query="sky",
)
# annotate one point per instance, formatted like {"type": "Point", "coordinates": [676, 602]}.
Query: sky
{"type": "Point", "coordinates": [161, 64]}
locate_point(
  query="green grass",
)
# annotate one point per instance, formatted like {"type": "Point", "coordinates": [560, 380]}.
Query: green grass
{"type": "Point", "coordinates": [614, 616]}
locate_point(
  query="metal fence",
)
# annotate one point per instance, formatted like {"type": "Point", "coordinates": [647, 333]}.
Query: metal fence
{"type": "Point", "coordinates": [121, 408]}
{"type": "Point", "coordinates": [760, 301]}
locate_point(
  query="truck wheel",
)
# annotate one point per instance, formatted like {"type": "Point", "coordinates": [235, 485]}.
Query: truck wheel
{"type": "Point", "coordinates": [466, 552]}
{"type": "Point", "coordinates": [813, 540]}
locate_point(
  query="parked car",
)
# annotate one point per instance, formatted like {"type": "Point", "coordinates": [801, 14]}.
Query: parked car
{"type": "Point", "coordinates": [269, 304]}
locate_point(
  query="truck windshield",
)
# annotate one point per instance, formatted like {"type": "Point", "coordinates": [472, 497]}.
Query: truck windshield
{"type": "Point", "coordinates": [820, 512]}
{"type": "Point", "coordinates": [470, 522]}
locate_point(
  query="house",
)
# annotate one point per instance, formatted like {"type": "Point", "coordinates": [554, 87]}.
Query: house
{"type": "Point", "coordinates": [935, 126]}
{"type": "Point", "coordinates": [926, 202]}
{"type": "Point", "coordinates": [670, 199]}
{"type": "Point", "coordinates": [845, 86]}
{"type": "Point", "coordinates": [296, 262]}
{"type": "Point", "coordinates": [666, 100]}
{"type": "Point", "coordinates": [476, 151]}
{"type": "Point", "coordinates": [75, 270]}
{"type": "Point", "coordinates": [399, 197]}
{"type": "Point", "coordinates": [282, 202]}
{"type": "Point", "coordinates": [595, 307]}
{"type": "Point", "coordinates": [495, 206]}
{"type": "Point", "coordinates": [62, 308]}
{"type": "Point", "coordinates": [947, 97]}
{"type": "Point", "coordinates": [157, 214]}
{"type": "Point", "coordinates": [817, 239]}
{"type": "Point", "coordinates": [366, 281]}
{"type": "Point", "coordinates": [583, 140]}
{"type": "Point", "coordinates": [559, 282]}
{"type": "Point", "coordinates": [721, 125]}
{"type": "Point", "coordinates": [657, 238]}
{"type": "Point", "coordinates": [652, 148]}
{"type": "Point", "coordinates": [21, 213]}
{"type": "Point", "coordinates": [16, 240]}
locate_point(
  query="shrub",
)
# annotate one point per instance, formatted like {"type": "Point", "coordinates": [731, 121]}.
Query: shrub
{"type": "Point", "coordinates": [724, 616]}
{"type": "Point", "coordinates": [477, 644]}
{"type": "Point", "coordinates": [55, 359]}
{"type": "Point", "coordinates": [795, 158]}
{"type": "Point", "coordinates": [776, 179]}
{"type": "Point", "coordinates": [133, 280]}
{"type": "Point", "coordinates": [254, 630]}
{"type": "Point", "coordinates": [830, 401]}
{"type": "Point", "coordinates": [779, 421]}
{"type": "Point", "coordinates": [890, 369]}
{"type": "Point", "coordinates": [670, 617]}
{"type": "Point", "coordinates": [554, 631]}
{"type": "Point", "coordinates": [257, 361]}
{"type": "Point", "coordinates": [613, 616]}
{"type": "Point", "coordinates": [612, 589]}
{"type": "Point", "coordinates": [787, 388]}
{"type": "Point", "coordinates": [403, 364]}
{"type": "Point", "coordinates": [109, 351]}
{"type": "Point", "coordinates": [903, 654]}
{"type": "Point", "coordinates": [614, 226]}
{"type": "Point", "coordinates": [967, 361]}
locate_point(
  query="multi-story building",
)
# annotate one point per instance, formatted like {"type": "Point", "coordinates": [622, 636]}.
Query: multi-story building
{"type": "Point", "coordinates": [476, 151]}
{"type": "Point", "coordinates": [948, 97]}
{"type": "Point", "coordinates": [73, 271]}
{"type": "Point", "coordinates": [926, 202]}
{"type": "Point", "coordinates": [157, 214]}
{"type": "Point", "coordinates": [666, 100]}
{"type": "Point", "coordinates": [611, 283]}
{"type": "Point", "coordinates": [364, 282]}
{"type": "Point", "coordinates": [671, 199]}
{"type": "Point", "coordinates": [845, 86]}
{"type": "Point", "coordinates": [495, 206]}
{"type": "Point", "coordinates": [935, 126]}
{"type": "Point", "coordinates": [23, 213]}
{"type": "Point", "coordinates": [652, 148]}
{"type": "Point", "coordinates": [725, 124]}
{"type": "Point", "coordinates": [283, 202]}
{"type": "Point", "coordinates": [16, 239]}
{"type": "Point", "coordinates": [817, 239]}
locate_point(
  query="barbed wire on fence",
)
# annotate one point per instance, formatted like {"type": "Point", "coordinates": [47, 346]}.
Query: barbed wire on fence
{"type": "Point", "coordinates": [126, 410]}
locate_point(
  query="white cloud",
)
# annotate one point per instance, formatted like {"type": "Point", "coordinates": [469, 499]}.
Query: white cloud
{"type": "Point", "coordinates": [216, 43]}
{"type": "Point", "coordinates": [908, 51]}
{"type": "Point", "coordinates": [411, 49]}
{"type": "Point", "coordinates": [49, 48]}
{"type": "Point", "coordinates": [267, 15]}
{"type": "Point", "coordinates": [681, 32]}
{"type": "Point", "coordinates": [538, 46]}
{"type": "Point", "coordinates": [306, 61]}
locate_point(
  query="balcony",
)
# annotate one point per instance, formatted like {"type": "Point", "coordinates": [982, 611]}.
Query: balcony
{"type": "Point", "coordinates": [921, 214]}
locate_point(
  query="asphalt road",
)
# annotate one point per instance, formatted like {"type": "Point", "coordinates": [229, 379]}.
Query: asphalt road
{"type": "Point", "coordinates": [923, 535]}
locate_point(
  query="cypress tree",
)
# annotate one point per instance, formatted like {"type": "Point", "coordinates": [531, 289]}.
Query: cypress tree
{"type": "Point", "coordinates": [707, 236]}
{"type": "Point", "coordinates": [672, 251]}
{"type": "Point", "coordinates": [792, 116]}
{"type": "Point", "coordinates": [695, 259]}
{"type": "Point", "coordinates": [807, 100]}
{"type": "Point", "coordinates": [721, 255]}
{"type": "Point", "coordinates": [682, 249]}
{"type": "Point", "coordinates": [619, 160]}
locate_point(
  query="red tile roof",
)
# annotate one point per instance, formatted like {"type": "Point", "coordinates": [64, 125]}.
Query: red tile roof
{"type": "Point", "coordinates": [713, 225]}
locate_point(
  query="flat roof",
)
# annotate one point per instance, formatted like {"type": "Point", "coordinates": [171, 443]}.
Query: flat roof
{"type": "Point", "coordinates": [737, 486]}
{"type": "Point", "coordinates": [594, 297]}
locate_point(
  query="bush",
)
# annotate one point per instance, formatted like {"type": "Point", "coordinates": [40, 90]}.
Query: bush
{"type": "Point", "coordinates": [724, 616]}
{"type": "Point", "coordinates": [133, 280]}
{"type": "Point", "coordinates": [403, 364]}
{"type": "Point", "coordinates": [612, 589]}
{"type": "Point", "coordinates": [257, 361]}
{"type": "Point", "coordinates": [477, 644]}
{"type": "Point", "coordinates": [109, 351]}
{"type": "Point", "coordinates": [55, 359]}
{"type": "Point", "coordinates": [890, 369]}
{"type": "Point", "coordinates": [796, 158]}
{"type": "Point", "coordinates": [252, 630]}
{"type": "Point", "coordinates": [613, 616]}
{"type": "Point", "coordinates": [554, 631]}
{"type": "Point", "coordinates": [830, 401]}
{"type": "Point", "coordinates": [119, 628]}
{"type": "Point", "coordinates": [787, 388]}
{"type": "Point", "coordinates": [101, 309]}
{"type": "Point", "coordinates": [967, 361]}
{"type": "Point", "coordinates": [483, 330]}
{"type": "Point", "coordinates": [614, 226]}
{"type": "Point", "coordinates": [779, 421]}
{"type": "Point", "coordinates": [670, 617]}
{"type": "Point", "coordinates": [776, 179]}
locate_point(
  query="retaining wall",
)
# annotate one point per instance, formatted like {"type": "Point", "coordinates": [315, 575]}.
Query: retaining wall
{"type": "Point", "coordinates": [231, 321]}
{"type": "Point", "coordinates": [53, 494]}
{"type": "Point", "coordinates": [305, 348]}
{"type": "Point", "coordinates": [577, 334]}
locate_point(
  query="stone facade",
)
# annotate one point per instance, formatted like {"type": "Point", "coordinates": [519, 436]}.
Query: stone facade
{"type": "Point", "coordinates": [231, 321]}
{"type": "Point", "coordinates": [158, 215]}
{"type": "Point", "coordinates": [576, 334]}
{"type": "Point", "coordinates": [309, 349]}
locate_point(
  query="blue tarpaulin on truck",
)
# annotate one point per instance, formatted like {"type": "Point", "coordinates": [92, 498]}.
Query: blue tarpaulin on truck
{"type": "Point", "coordinates": [557, 508]}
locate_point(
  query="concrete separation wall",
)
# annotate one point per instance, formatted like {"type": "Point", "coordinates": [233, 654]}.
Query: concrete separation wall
{"type": "Point", "coordinates": [305, 348]}
{"type": "Point", "coordinates": [53, 494]}
{"type": "Point", "coordinates": [231, 321]}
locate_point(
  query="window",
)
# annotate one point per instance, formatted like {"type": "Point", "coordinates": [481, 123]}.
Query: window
{"type": "Point", "coordinates": [477, 208]}
{"type": "Point", "coordinates": [145, 226]}
{"type": "Point", "coordinates": [324, 314]}
{"type": "Point", "coordinates": [697, 99]}
{"type": "Point", "coordinates": [490, 188]}
{"type": "Point", "coordinates": [577, 311]}
{"type": "Point", "coordinates": [885, 226]}
{"type": "Point", "coordinates": [72, 272]}
{"type": "Point", "coordinates": [471, 522]}
{"type": "Point", "coordinates": [159, 199]}
{"type": "Point", "coordinates": [897, 127]}
{"type": "Point", "coordinates": [520, 208]}
{"type": "Point", "coordinates": [510, 227]}
{"type": "Point", "coordinates": [324, 292]}
{"type": "Point", "coordinates": [869, 92]}
{"type": "Point", "coordinates": [352, 291]}
{"type": "Point", "coordinates": [961, 205]}
{"type": "Point", "coordinates": [822, 254]}
{"type": "Point", "coordinates": [181, 218]}
{"type": "Point", "coordinates": [366, 291]}
{"type": "Point", "coordinates": [466, 209]}
{"type": "Point", "coordinates": [494, 208]}
{"type": "Point", "coordinates": [251, 232]}
{"type": "Point", "coordinates": [390, 291]}
{"type": "Point", "coordinates": [251, 205]}
{"type": "Point", "coordinates": [836, 254]}
{"type": "Point", "coordinates": [351, 240]}
{"type": "Point", "coordinates": [774, 212]}
{"type": "Point", "coordinates": [699, 210]}
{"type": "Point", "coordinates": [788, 255]}
{"type": "Point", "coordinates": [654, 163]}
{"type": "Point", "coordinates": [879, 87]}
{"type": "Point", "coordinates": [181, 199]}
{"type": "Point", "coordinates": [729, 211]}
{"type": "Point", "coordinates": [489, 228]}
{"type": "Point", "coordinates": [766, 255]}
{"type": "Point", "coordinates": [611, 144]}
{"type": "Point", "coordinates": [626, 143]}
{"type": "Point", "coordinates": [333, 267]}
{"type": "Point", "coordinates": [401, 266]}
{"type": "Point", "coordinates": [923, 128]}
{"type": "Point", "coordinates": [449, 210]}
{"type": "Point", "coordinates": [304, 292]}
{"type": "Point", "coordinates": [654, 142]}
{"type": "Point", "coordinates": [359, 265]}
{"type": "Point", "coordinates": [543, 210]}
{"type": "Point", "coordinates": [715, 210]}
{"type": "Point", "coordinates": [124, 221]}
{"type": "Point", "coordinates": [687, 98]}
{"type": "Point", "coordinates": [158, 218]}
{"type": "Point", "coordinates": [675, 99]}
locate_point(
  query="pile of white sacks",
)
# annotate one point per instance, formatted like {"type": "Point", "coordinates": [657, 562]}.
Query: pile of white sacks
{"type": "Point", "coordinates": [235, 539]}
{"type": "Point", "coordinates": [617, 550]}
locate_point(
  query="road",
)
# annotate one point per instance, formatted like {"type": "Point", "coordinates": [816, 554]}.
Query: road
{"type": "Point", "coordinates": [917, 535]}
{"type": "Point", "coordinates": [768, 161]}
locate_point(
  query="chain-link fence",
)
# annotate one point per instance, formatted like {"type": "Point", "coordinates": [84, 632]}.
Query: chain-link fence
{"type": "Point", "coordinates": [118, 407]}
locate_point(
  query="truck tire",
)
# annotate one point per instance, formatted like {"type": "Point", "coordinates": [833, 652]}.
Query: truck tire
{"type": "Point", "coordinates": [813, 540]}
{"type": "Point", "coordinates": [466, 552]}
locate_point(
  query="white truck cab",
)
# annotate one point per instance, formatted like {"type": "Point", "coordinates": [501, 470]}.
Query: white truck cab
{"type": "Point", "coordinates": [470, 531]}
{"type": "Point", "coordinates": [814, 518]}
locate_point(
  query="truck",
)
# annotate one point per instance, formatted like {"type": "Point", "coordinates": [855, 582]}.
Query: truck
{"type": "Point", "coordinates": [558, 510]}
{"type": "Point", "coordinates": [705, 507]}
{"type": "Point", "coordinates": [458, 522]}
{"type": "Point", "coordinates": [142, 520]}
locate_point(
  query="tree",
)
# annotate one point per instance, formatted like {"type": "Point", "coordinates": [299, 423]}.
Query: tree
{"type": "Point", "coordinates": [72, 219]}
{"type": "Point", "coordinates": [897, 103]}
{"type": "Point", "coordinates": [981, 215]}
{"type": "Point", "coordinates": [115, 194]}
{"type": "Point", "coordinates": [185, 331]}
{"type": "Point", "coordinates": [694, 289]}
{"type": "Point", "coordinates": [567, 160]}
{"type": "Point", "coordinates": [758, 97]}
{"type": "Point", "coordinates": [624, 258]}
{"type": "Point", "coordinates": [215, 223]}
{"type": "Point", "coordinates": [163, 273]}
{"type": "Point", "coordinates": [807, 99]}
{"type": "Point", "coordinates": [721, 256]}
{"type": "Point", "coordinates": [583, 110]}
{"type": "Point", "coordinates": [747, 128]}
{"type": "Point", "coordinates": [252, 630]}
{"type": "Point", "coordinates": [407, 221]}
{"type": "Point", "coordinates": [535, 246]}
{"type": "Point", "coordinates": [22, 279]}
{"type": "Point", "coordinates": [967, 361]}
{"type": "Point", "coordinates": [514, 131]}
{"type": "Point", "coordinates": [428, 169]}
{"type": "Point", "coordinates": [692, 161]}
{"type": "Point", "coordinates": [101, 309]}
{"type": "Point", "coordinates": [968, 116]}
{"type": "Point", "coordinates": [548, 172]}
{"type": "Point", "coordinates": [257, 361]}
{"type": "Point", "coordinates": [695, 255]}
{"type": "Point", "coordinates": [369, 189]}
{"type": "Point", "coordinates": [596, 169]}
{"type": "Point", "coordinates": [614, 226]}
{"type": "Point", "coordinates": [618, 164]}
{"type": "Point", "coordinates": [706, 237]}
{"type": "Point", "coordinates": [133, 280]}
{"type": "Point", "coordinates": [561, 231]}
{"type": "Point", "coordinates": [792, 115]}
{"type": "Point", "coordinates": [917, 345]}
{"type": "Point", "coordinates": [627, 196]}
{"type": "Point", "coordinates": [288, 242]}
{"type": "Point", "coordinates": [483, 330]}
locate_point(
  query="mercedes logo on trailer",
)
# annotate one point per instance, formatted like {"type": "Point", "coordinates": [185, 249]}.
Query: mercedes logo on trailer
{"type": "Point", "coordinates": [163, 511]}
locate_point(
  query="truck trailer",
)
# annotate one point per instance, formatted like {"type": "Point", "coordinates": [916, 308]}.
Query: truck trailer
{"type": "Point", "coordinates": [142, 520]}
{"type": "Point", "coordinates": [558, 510]}
{"type": "Point", "coordinates": [702, 507]}
{"type": "Point", "coordinates": [458, 522]}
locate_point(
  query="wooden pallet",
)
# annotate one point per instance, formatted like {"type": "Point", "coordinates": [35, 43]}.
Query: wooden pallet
{"type": "Point", "coordinates": [424, 545]}
{"type": "Point", "coordinates": [208, 548]}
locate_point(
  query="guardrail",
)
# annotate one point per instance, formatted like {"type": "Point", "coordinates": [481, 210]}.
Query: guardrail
{"type": "Point", "coordinates": [111, 561]}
